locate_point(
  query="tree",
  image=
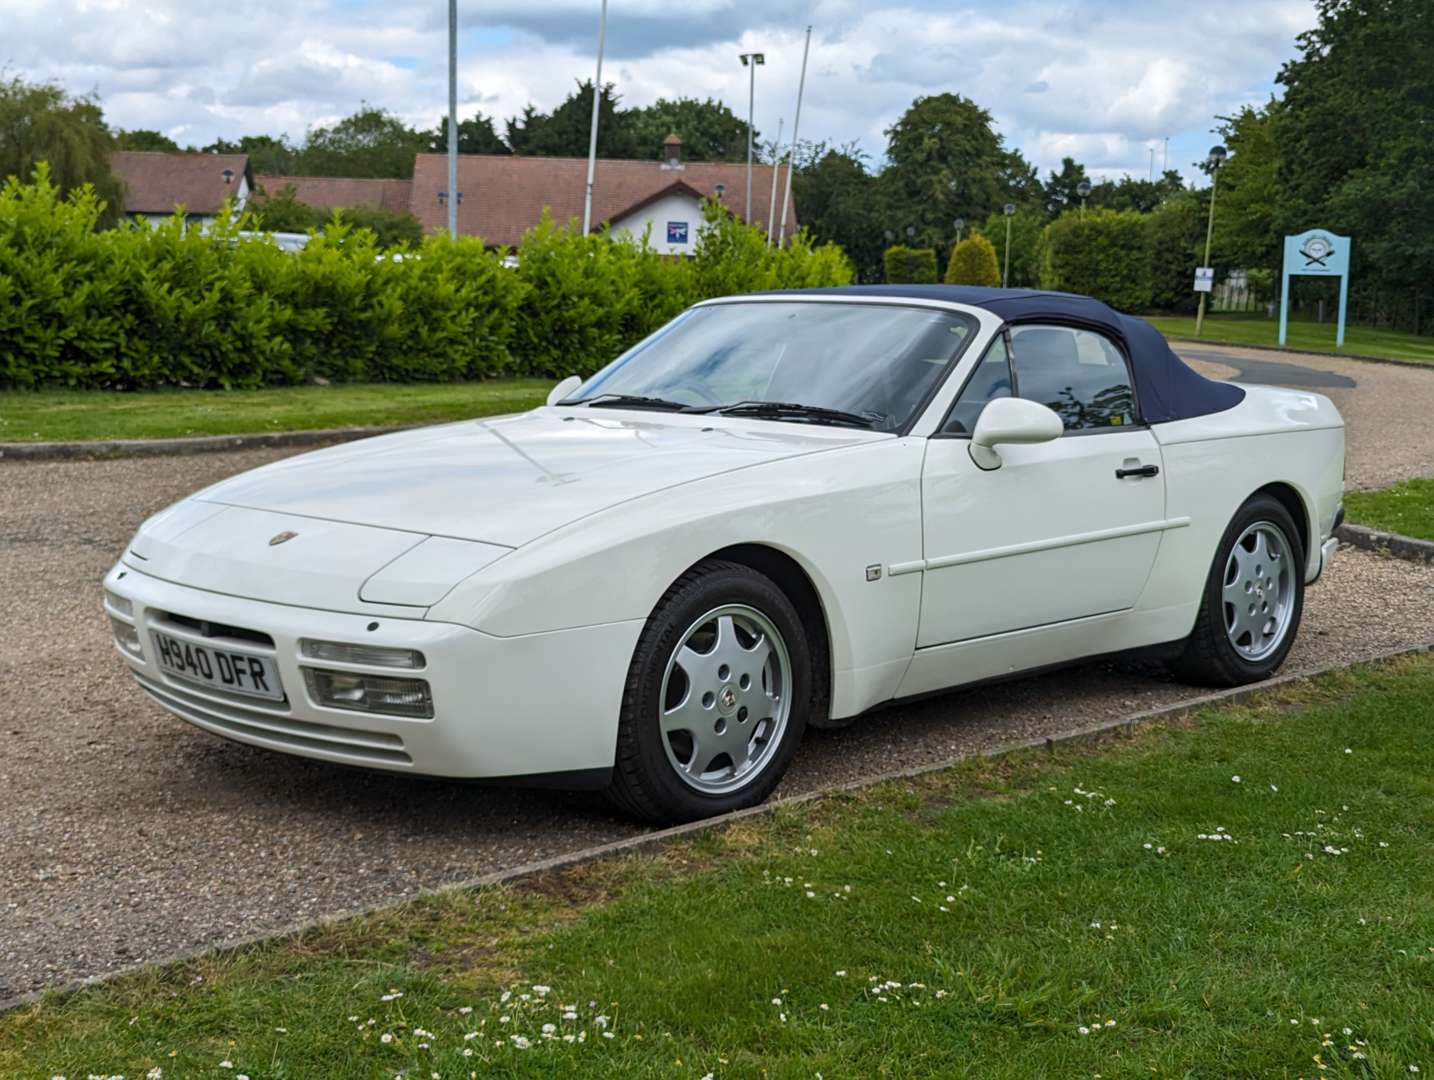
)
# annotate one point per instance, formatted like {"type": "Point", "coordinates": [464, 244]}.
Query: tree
{"type": "Point", "coordinates": [144, 139]}
{"type": "Point", "coordinates": [282, 211]}
{"type": "Point", "coordinates": [838, 200]}
{"type": "Point", "coordinates": [1246, 235]}
{"type": "Point", "coordinates": [564, 132]}
{"type": "Point", "coordinates": [476, 135]}
{"type": "Point", "coordinates": [1141, 196]}
{"type": "Point", "coordinates": [944, 160]}
{"type": "Point", "coordinates": [268, 155]}
{"type": "Point", "coordinates": [40, 122]}
{"type": "Point", "coordinates": [371, 143]}
{"type": "Point", "coordinates": [1175, 238]}
{"type": "Point", "coordinates": [1353, 142]}
{"type": "Point", "coordinates": [973, 262]}
{"type": "Point", "coordinates": [1061, 187]}
{"type": "Point", "coordinates": [709, 130]}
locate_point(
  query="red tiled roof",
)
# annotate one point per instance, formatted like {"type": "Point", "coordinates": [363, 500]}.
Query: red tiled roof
{"type": "Point", "coordinates": [504, 196]}
{"type": "Point", "coordinates": [342, 192]}
{"type": "Point", "coordinates": [156, 182]}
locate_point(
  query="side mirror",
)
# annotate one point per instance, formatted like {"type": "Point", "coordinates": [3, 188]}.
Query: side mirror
{"type": "Point", "coordinates": [1011, 420]}
{"type": "Point", "coordinates": [564, 388]}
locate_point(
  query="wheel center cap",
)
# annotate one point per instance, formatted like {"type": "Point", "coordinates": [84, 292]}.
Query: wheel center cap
{"type": "Point", "coordinates": [726, 700]}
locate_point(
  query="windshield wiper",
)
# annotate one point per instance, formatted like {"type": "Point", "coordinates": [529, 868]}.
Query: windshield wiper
{"type": "Point", "coordinates": [796, 410]}
{"type": "Point", "coordinates": [628, 401]}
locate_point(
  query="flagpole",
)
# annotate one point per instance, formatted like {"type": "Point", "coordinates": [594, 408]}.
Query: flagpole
{"type": "Point", "coordinates": [792, 153]}
{"type": "Point", "coordinates": [592, 135]}
{"type": "Point", "coordinates": [453, 119]}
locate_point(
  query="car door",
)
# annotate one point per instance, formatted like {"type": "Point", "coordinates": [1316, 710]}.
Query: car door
{"type": "Point", "coordinates": [1062, 530]}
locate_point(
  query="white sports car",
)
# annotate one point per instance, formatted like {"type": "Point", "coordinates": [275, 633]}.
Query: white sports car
{"type": "Point", "coordinates": [778, 510]}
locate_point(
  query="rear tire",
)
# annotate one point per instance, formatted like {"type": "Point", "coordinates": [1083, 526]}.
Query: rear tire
{"type": "Point", "coordinates": [1252, 602]}
{"type": "Point", "coordinates": [716, 700]}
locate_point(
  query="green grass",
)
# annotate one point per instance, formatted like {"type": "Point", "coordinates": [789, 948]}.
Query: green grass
{"type": "Point", "coordinates": [65, 415]}
{"type": "Point", "coordinates": [1248, 896]}
{"type": "Point", "coordinates": [1253, 329]}
{"type": "Point", "coordinates": [1406, 508]}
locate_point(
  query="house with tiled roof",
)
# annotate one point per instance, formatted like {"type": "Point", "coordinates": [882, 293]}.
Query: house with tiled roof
{"type": "Point", "coordinates": [500, 197]}
{"type": "Point", "coordinates": [158, 183]}
{"type": "Point", "coordinates": [340, 192]}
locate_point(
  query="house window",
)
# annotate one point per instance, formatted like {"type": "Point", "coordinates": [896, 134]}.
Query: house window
{"type": "Point", "coordinates": [677, 232]}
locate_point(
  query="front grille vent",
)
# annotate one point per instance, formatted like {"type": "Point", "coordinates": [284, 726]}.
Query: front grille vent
{"type": "Point", "coordinates": [206, 628]}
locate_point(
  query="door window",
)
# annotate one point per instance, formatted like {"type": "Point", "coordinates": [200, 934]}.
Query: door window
{"type": "Point", "coordinates": [1079, 374]}
{"type": "Point", "coordinates": [990, 380]}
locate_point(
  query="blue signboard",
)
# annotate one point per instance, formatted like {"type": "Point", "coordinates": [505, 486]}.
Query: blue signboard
{"type": "Point", "coordinates": [1316, 253]}
{"type": "Point", "coordinates": [677, 232]}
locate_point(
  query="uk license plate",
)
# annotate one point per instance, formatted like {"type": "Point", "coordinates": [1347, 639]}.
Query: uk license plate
{"type": "Point", "coordinates": [224, 669]}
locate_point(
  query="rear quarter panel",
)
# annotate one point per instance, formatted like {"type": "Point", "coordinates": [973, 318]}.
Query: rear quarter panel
{"type": "Point", "coordinates": [1214, 463]}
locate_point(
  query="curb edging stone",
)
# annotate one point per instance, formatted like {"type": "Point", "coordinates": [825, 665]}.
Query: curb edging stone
{"type": "Point", "coordinates": [659, 837]}
{"type": "Point", "coordinates": [1386, 543]}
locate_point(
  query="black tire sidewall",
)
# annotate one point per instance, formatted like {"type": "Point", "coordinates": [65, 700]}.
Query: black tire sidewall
{"type": "Point", "coordinates": [1238, 669]}
{"type": "Point", "coordinates": [710, 587]}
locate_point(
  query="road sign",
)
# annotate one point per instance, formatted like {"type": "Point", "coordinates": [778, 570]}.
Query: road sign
{"type": "Point", "coordinates": [1204, 278]}
{"type": "Point", "coordinates": [1316, 253]}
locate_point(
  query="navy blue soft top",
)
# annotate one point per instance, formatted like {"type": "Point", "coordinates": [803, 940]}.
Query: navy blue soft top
{"type": "Point", "coordinates": [1167, 388]}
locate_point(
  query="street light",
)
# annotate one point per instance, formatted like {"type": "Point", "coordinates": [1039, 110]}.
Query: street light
{"type": "Point", "coordinates": [750, 62]}
{"type": "Point", "coordinates": [890, 236]}
{"type": "Point", "coordinates": [959, 225]}
{"type": "Point", "coordinates": [1010, 211]}
{"type": "Point", "coordinates": [1083, 190]}
{"type": "Point", "coordinates": [1215, 160]}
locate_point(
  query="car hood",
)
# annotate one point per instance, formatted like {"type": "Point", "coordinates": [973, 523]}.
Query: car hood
{"type": "Point", "coordinates": [509, 480]}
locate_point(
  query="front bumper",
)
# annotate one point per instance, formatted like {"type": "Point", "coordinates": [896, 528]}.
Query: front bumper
{"type": "Point", "coordinates": [536, 706]}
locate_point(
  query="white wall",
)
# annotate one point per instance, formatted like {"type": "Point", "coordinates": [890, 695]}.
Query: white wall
{"type": "Point", "coordinates": [676, 208]}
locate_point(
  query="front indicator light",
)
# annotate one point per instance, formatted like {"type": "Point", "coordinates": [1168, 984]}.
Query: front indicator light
{"type": "Point", "coordinates": [342, 652]}
{"type": "Point", "coordinates": [369, 693]}
{"type": "Point", "coordinates": [126, 636]}
{"type": "Point", "coordinates": [119, 604]}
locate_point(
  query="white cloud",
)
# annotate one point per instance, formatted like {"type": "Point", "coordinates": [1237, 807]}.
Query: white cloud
{"type": "Point", "coordinates": [1100, 80]}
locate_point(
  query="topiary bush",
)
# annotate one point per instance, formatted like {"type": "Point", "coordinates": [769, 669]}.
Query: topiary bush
{"type": "Point", "coordinates": [973, 262]}
{"type": "Point", "coordinates": [171, 305]}
{"type": "Point", "coordinates": [1106, 256]}
{"type": "Point", "coordinates": [910, 266]}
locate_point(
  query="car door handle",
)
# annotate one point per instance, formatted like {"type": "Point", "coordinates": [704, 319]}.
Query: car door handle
{"type": "Point", "coordinates": [1140, 470]}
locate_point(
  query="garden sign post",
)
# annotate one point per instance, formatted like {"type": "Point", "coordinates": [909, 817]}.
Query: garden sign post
{"type": "Point", "coordinates": [1320, 254]}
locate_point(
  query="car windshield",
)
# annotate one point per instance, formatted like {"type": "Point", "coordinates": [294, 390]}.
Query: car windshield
{"type": "Point", "coordinates": [877, 362]}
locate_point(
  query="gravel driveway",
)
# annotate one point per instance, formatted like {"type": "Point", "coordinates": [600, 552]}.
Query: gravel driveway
{"type": "Point", "coordinates": [126, 835]}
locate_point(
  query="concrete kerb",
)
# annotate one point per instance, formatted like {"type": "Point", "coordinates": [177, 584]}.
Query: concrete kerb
{"type": "Point", "coordinates": [1386, 543]}
{"type": "Point", "coordinates": [199, 444]}
{"type": "Point", "coordinates": [658, 837]}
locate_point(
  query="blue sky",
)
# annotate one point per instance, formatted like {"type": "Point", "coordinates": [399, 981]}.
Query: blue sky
{"type": "Point", "coordinates": [1101, 80]}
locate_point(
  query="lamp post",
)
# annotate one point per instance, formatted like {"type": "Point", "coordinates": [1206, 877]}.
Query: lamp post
{"type": "Point", "coordinates": [1215, 160]}
{"type": "Point", "coordinates": [1010, 211]}
{"type": "Point", "coordinates": [910, 235]}
{"type": "Point", "coordinates": [750, 62]}
{"type": "Point", "coordinates": [1083, 190]}
{"type": "Point", "coordinates": [960, 226]}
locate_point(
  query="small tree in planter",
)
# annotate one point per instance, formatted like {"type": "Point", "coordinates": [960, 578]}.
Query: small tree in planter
{"type": "Point", "coordinates": [973, 262]}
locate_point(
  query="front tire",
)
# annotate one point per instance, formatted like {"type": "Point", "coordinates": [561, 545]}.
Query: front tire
{"type": "Point", "coordinates": [716, 698]}
{"type": "Point", "coordinates": [1253, 599]}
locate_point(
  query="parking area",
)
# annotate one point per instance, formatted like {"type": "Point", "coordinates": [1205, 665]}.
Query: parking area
{"type": "Point", "coordinates": [126, 835]}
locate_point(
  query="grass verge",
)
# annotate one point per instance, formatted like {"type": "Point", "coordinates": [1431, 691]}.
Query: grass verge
{"type": "Point", "coordinates": [84, 415]}
{"type": "Point", "coordinates": [1252, 329]}
{"type": "Point", "coordinates": [1247, 895]}
{"type": "Point", "coordinates": [1406, 508]}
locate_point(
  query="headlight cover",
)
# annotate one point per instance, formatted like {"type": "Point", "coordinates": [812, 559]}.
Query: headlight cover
{"type": "Point", "coordinates": [380, 694]}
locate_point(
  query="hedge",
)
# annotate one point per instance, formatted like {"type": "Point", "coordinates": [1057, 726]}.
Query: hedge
{"type": "Point", "coordinates": [910, 266]}
{"type": "Point", "coordinates": [1105, 254]}
{"type": "Point", "coordinates": [973, 262]}
{"type": "Point", "coordinates": [164, 305]}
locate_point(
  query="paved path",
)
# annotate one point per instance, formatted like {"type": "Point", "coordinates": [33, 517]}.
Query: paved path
{"type": "Point", "coordinates": [126, 835]}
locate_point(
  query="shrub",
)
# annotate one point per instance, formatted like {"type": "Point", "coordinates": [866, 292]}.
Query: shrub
{"type": "Point", "coordinates": [1106, 255]}
{"type": "Point", "coordinates": [973, 262]}
{"type": "Point", "coordinates": [1174, 235]}
{"type": "Point", "coordinates": [910, 266]}
{"type": "Point", "coordinates": [1025, 262]}
{"type": "Point", "coordinates": [169, 305]}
